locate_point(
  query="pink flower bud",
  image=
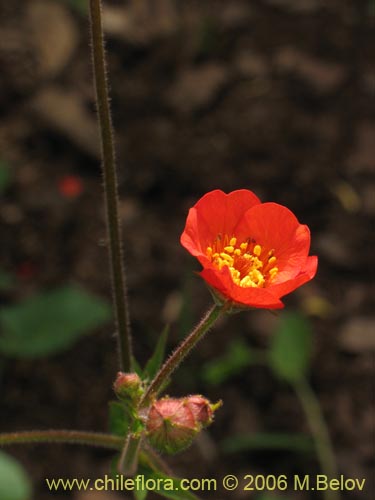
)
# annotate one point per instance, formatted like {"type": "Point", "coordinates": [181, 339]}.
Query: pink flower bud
{"type": "Point", "coordinates": [173, 423]}
{"type": "Point", "coordinates": [202, 409]}
{"type": "Point", "coordinates": [128, 386]}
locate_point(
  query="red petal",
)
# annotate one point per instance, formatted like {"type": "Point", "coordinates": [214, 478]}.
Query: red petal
{"type": "Point", "coordinates": [215, 213]}
{"type": "Point", "coordinates": [251, 297]}
{"type": "Point", "coordinates": [281, 289]}
{"type": "Point", "coordinates": [276, 227]}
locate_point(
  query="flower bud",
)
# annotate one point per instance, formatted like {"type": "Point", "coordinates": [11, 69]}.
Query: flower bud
{"type": "Point", "coordinates": [202, 409]}
{"type": "Point", "coordinates": [128, 386]}
{"type": "Point", "coordinates": [173, 423]}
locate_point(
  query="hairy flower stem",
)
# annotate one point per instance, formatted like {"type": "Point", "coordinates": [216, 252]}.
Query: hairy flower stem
{"type": "Point", "coordinates": [110, 187]}
{"type": "Point", "coordinates": [128, 462]}
{"type": "Point", "coordinates": [62, 436]}
{"type": "Point", "coordinates": [318, 427]}
{"type": "Point", "coordinates": [180, 353]}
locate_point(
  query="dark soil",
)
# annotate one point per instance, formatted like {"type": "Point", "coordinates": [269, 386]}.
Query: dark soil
{"type": "Point", "coordinates": [268, 95]}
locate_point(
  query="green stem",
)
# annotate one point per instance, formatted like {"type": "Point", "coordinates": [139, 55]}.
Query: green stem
{"type": "Point", "coordinates": [319, 430]}
{"type": "Point", "coordinates": [129, 456]}
{"type": "Point", "coordinates": [62, 436]}
{"type": "Point", "coordinates": [180, 353]}
{"type": "Point", "coordinates": [110, 187]}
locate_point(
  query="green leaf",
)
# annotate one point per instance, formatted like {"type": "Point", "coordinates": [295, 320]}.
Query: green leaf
{"type": "Point", "coordinates": [170, 487]}
{"type": "Point", "coordinates": [157, 358]}
{"type": "Point", "coordinates": [118, 419]}
{"type": "Point", "coordinates": [238, 357]}
{"type": "Point", "coordinates": [290, 348]}
{"type": "Point", "coordinates": [14, 483]}
{"type": "Point", "coordinates": [268, 441]}
{"type": "Point", "coordinates": [137, 367]}
{"type": "Point", "coordinates": [5, 176]}
{"type": "Point", "coordinates": [50, 322]}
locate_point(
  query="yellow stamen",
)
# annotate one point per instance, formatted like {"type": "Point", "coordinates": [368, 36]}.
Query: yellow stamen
{"type": "Point", "coordinates": [257, 250]}
{"type": "Point", "coordinates": [271, 260]}
{"type": "Point", "coordinates": [246, 266]}
{"type": "Point", "coordinates": [229, 249]}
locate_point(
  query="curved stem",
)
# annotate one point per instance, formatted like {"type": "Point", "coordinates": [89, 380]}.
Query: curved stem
{"type": "Point", "coordinates": [110, 188]}
{"type": "Point", "coordinates": [180, 353]}
{"type": "Point", "coordinates": [319, 430]}
{"type": "Point", "coordinates": [62, 436]}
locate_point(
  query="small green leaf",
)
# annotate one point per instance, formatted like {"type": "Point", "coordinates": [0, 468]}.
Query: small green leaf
{"type": "Point", "coordinates": [14, 483]}
{"type": "Point", "coordinates": [291, 347]}
{"type": "Point", "coordinates": [157, 358]}
{"type": "Point", "coordinates": [268, 441]}
{"type": "Point", "coordinates": [137, 367]}
{"type": "Point", "coordinates": [50, 322]}
{"type": "Point", "coordinates": [238, 357]}
{"type": "Point", "coordinates": [118, 419]}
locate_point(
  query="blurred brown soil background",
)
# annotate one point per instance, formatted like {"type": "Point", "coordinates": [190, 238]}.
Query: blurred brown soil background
{"type": "Point", "coordinates": [268, 95]}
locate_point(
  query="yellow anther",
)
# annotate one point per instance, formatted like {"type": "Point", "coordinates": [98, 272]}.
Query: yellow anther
{"type": "Point", "coordinates": [233, 242]}
{"type": "Point", "coordinates": [209, 251]}
{"type": "Point", "coordinates": [215, 255]}
{"type": "Point", "coordinates": [273, 272]}
{"type": "Point", "coordinates": [271, 260]}
{"type": "Point", "coordinates": [226, 257]}
{"type": "Point", "coordinates": [257, 263]}
{"type": "Point", "coordinates": [246, 281]}
{"type": "Point", "coordinates": [237, 252]}
{"type": "Point", "coordinates": [243, 246]}
{"type": "Point", "coordinates": [229, 248]}
{"type": "Point", "coordinates": [257, 250]}
{"type": "Point", "coordinates": [247, 256]}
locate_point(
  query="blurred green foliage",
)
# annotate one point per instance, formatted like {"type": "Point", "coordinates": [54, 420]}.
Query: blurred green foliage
{"type": "Point", "coordinates": [290, 348]}
{"type": "Point", "coordinates": [50, 322]}
{"type": "Point", "coordinates": [238, 357]}
{"type": "Point", "coordinates": [14, 482]}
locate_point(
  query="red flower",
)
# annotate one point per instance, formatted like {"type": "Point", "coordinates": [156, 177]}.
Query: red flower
{"type": "Point", "coordinates": [252, 253]}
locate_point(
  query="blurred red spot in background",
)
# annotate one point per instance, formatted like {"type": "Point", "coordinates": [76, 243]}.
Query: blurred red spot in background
{"type": "Point", "coordinates": [26, 270]}
{"type": "Point", "coordinates": [70, 186]}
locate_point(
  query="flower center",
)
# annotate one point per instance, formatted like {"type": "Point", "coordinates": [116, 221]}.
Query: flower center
{"type": "Point", "coordinates": [250, 265]}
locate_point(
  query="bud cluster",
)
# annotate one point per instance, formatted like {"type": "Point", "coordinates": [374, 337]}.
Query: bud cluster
{"type": "Point", "coordinates": [172, 423]}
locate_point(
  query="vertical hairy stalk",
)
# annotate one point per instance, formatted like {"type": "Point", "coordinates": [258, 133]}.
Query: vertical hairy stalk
{"type": "Point", "coordinates": [110, 187]}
